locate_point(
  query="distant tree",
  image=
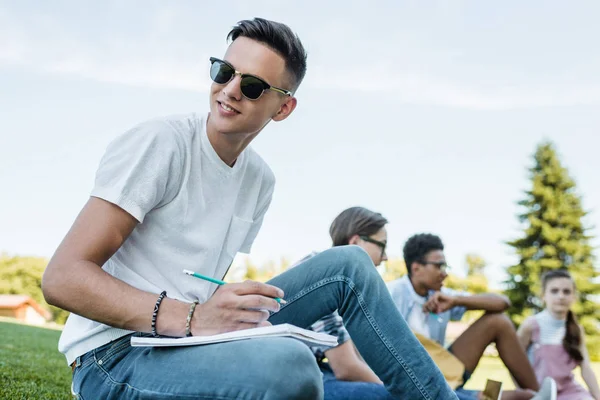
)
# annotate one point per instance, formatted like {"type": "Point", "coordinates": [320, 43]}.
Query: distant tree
{"type": "Point", "coordinates": [394, 268]}
{"type": "Point", "coordinates": [23, 275]}
{"type": "Point", "coordinates": [475, 264]}
{"type": "Point", "coordinates": [554, 236]}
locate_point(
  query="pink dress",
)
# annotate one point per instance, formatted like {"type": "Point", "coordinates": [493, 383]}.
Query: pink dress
{"type": "Point", "coordinates": [549, 357]}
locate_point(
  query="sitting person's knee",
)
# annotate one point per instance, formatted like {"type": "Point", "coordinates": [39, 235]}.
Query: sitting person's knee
{"type": "Point", "coordinates": [499, 320]}
{"type": "Point", "coordinates": [292, 370]}
{"type": "Point", "coordinates": [351, 257]}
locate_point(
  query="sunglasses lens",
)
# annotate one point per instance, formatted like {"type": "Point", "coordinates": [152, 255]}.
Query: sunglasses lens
{"type": "Point", "coordinates": [220, 72]}
{"type": "Point", "coordinates": [252, 87]}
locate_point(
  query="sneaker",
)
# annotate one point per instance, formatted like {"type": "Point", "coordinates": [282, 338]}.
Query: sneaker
{"type": "Point", "coordinates": [547, 390]}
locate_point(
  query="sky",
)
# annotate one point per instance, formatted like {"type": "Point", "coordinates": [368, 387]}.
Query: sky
{"type": "Point", "coordinates": [426, 111]}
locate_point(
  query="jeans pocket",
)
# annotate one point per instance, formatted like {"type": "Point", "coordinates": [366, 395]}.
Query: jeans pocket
{"type": "Point", "coordinates": [75, 392]}
{"type": "Point", "coordinates": [80, 373]}
{"type": "Point", "coordinates": [107, 355]}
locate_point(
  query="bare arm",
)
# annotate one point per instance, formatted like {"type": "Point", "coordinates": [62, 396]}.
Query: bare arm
{"type": "Point", "coordinates": [586, 370]}
{"type": "Point", "coordinates": [75, 281]}
{"type": "Point", "coordinates": [347, 365]}
{"type": "Point", "coordinates": [486, 302]}
{"type": "Point", "coordinates": [524, 333]}
{"type": "Point", "coordinates": [440, 302]}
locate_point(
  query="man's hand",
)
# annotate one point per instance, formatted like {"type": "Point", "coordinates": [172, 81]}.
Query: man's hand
{"type": "Point", "coordinates": [236, 306]}
{"type": "Point", "coordinates": [439, 302]}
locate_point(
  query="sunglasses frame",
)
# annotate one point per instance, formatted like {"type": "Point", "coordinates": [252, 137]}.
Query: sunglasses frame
{"type": "Point", "coordinates": [235, 72]}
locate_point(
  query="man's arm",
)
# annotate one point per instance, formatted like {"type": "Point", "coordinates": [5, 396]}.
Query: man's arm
{"type": "Point", "coordinates": [347, 365]}
{"type": "Point", "coordinates": [75, 281]}
{"type": "Point", "coordinates": [486, 302]}
{"type": "Point", "coordinates": [440, 302]}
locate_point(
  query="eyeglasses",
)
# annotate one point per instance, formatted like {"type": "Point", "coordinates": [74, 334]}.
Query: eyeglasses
{"type": "Point", "coordinates": [376, 242]}
{"type": "Point", "coordinates": [252, 87]}
{"type": "Point", "coordinates": [441, 265]}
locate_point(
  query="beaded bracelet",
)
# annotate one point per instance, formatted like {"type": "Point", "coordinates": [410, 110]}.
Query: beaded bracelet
{"type": "Point", "coordinates": [155, 313]}
{"type": "Point", "coordinates": [188, 328]}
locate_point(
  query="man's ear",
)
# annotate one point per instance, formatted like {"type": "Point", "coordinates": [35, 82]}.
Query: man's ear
{"type": "Point", "coordinates": [354, 239]}
{"type": "Point", "coordinates": [414, 267]}
{"type": "Point", "coordinates": [286, 109]}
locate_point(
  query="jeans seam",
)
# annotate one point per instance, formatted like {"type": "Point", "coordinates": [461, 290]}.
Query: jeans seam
{"type": "Point", "coordinates": [352, 286]}
{"type": "Point", "coordinates": [119, 346]}
{"type": "Point", "coordinates": [145, 391]}
{"type": "Point", "coordinates": [375, 327]}
{"type": "Point", "coordinates": [115, 348]}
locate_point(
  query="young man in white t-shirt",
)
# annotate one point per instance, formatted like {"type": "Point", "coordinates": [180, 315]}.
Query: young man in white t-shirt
{"type": "Point", "coordinates": [187, 192]}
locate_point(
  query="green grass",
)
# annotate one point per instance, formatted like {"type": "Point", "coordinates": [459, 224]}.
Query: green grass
{"type": "Point", "coordinates": [492, 368]}
{"type": "Point", "coordinates": [30, 365]}
{"type": "Point", "coordinates": [32, 368]}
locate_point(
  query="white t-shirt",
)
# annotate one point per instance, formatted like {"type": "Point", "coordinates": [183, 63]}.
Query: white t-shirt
{"type": "Point", "coordinates": [410, 305]}
{"type": "Point", "coordinates": [417, 318]}
{"type": "Point", "coordinates": [195, 213]}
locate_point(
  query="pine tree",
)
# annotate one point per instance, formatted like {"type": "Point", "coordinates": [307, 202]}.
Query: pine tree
{"type": "Point", "coordinates": [554, 237]}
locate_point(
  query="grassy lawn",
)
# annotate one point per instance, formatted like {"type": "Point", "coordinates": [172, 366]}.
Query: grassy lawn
{"type": "Point", "coordinates": [30, 365]}
{"type": "Point", "coordinates": [492, 368]}
{"type": "Point", "coordinates": [32, 368]}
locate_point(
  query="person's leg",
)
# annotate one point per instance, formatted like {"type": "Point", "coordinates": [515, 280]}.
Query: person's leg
{"type": "Point", "coordinates": [463, 394]}
{"type": "Point", "coordinates": [495, 328]}
{"type": "Point", "coordinates": [517, 395]}
{"type": "Point", "coordinates": [344, 390]}
{"type": "Point", "coordinates": [506, 395]}
{"type": "Point", "coordinates": [335, 389]}
{"type": "Point", "coordinates": [344, 279]}
{"type": "Point", "coordinates": [266, 368]}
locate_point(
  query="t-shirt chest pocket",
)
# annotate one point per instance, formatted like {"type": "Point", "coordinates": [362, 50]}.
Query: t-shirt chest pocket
{"type": "Point", "coordinates": [236, 237]}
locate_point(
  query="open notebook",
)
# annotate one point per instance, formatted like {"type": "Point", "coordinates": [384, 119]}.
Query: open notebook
{"type": "Point", "coordinates": [284, 330]}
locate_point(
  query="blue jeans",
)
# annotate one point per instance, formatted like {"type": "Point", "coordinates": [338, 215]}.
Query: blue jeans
{"type": "Point", "coordinates": [464, 394]}
{"type": "Point", "coordinates": [341, 278]}
{"type": "Point", "coordinates": [343, 390]}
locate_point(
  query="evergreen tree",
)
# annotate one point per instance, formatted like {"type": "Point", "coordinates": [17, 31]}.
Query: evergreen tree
{"type": "Point", "coordinates": [554, 237]}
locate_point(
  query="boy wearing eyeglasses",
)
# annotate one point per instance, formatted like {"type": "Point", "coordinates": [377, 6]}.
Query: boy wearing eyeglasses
{"type": "Point", "coordinates": [187, 193]}
{"type": "Point", "coordinates": [427, 306]}
{"type": "Point", "coordinates": [346, 376]}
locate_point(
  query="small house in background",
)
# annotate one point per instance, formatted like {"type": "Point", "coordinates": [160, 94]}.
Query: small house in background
{"type": "Point", "coordinates": [23, 308]}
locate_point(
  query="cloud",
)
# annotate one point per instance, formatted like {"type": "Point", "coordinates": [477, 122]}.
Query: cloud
{"type": "Point", "coordinates": [155, 56]}
{"type": "Point", "coordinates": [46, 46]}
{"type": "Point", "coordinates": [135, 72]}
{"type": "Point", "coordinates": [416, 88]}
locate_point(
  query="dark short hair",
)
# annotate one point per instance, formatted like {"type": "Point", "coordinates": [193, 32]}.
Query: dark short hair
{"type": "Point", "coordinates": [418, 246]}
{"type": "Point", "coordinates": [279, 38]}
{"type": "Point", "coordinates": [355, 221]}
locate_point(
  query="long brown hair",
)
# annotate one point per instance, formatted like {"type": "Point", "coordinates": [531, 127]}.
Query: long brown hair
{"type": "Point", "coordinates": [572, 339]}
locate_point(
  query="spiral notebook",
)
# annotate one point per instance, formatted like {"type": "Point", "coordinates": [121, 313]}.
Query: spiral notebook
{"type": "Point", "coordinates": [309, 337]}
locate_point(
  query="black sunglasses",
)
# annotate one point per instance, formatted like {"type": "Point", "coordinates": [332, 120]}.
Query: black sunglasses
{"type": "Point", "coordinates": [252, 87]}
{"type": "Point", "coordinates": [376, 242]}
